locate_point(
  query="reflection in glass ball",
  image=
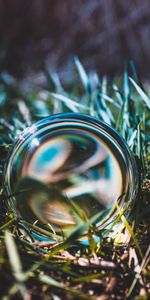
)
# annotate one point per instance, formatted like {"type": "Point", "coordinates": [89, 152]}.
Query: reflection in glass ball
{"type": "Point", "coordinates": [78, 166]}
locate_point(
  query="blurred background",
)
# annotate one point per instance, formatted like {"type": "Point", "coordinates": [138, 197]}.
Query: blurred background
{"type": "Point", "coordinates": [104, 34]}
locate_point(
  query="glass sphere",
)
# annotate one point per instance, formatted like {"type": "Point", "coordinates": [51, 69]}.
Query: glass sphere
{"type": "Point", "coordinates": [67, 168]}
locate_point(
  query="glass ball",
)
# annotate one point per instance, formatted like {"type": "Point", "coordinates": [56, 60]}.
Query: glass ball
{"type": "Point", "coordinates": [67, 168]}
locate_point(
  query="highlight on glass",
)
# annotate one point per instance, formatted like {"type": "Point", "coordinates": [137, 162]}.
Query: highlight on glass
{"type": "Point", "coordinates": [66, 169]}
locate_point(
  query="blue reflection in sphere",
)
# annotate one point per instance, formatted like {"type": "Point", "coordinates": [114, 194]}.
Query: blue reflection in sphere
{"type": "Point", "coordinates": [84, 164]}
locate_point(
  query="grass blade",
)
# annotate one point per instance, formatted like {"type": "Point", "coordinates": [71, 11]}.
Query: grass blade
{"type": "Point", "coordinates": [145, 98]}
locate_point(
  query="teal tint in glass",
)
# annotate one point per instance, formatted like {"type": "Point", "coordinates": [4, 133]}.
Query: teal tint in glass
{"type": "Point", "coordinates": [68, 168]}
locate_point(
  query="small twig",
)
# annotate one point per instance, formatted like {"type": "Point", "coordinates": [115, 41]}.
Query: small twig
{"type": "Point", "coordinates": [16, 266]}
{"type": "Point", "coordinates": [138, 274]}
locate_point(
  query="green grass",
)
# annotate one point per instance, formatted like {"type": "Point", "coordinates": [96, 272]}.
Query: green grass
{"type": "Point", "coordinates": [117, 266]}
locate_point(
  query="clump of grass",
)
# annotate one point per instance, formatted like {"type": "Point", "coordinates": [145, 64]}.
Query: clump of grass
{"type": "Point", "coordinates": [115, 267]}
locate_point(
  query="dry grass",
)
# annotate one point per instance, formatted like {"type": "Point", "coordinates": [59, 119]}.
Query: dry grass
{"type": "Point", "coordinates": [117, 267]}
